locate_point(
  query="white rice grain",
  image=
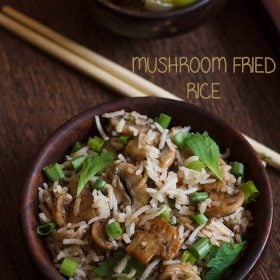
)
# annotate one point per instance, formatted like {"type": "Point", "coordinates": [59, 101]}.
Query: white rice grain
{"type": "Point", "coordinates": [100, 128]}
{"type": "Point", "coordinates": [193, 235]}
{"type": "Point", "coordinates": [113, 114]}
{"type": "Point", "coordinates": [75, 241]}
{"type": "Point", "coordinates": [122, 264]}
{"type": "Point", "coordinates": [149, 269]}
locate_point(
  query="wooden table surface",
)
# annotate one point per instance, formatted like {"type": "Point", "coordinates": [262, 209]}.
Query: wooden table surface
{"type": "Point", "coordinates": [38, 94]}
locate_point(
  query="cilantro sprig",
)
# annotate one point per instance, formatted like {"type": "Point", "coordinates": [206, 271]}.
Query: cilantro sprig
{"type": "Point", "coordinates": [221, 258]}
{"type": "Point", "coordinates": [91, 166]}
{"type": "Point", "coordinates": [206, 149]}
{"type": "Point", "coordinates": [106, 268]}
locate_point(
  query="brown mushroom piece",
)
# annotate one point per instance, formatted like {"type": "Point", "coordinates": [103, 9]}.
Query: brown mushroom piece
{"type": "Point", "coordinates": [160, 239]}
{"type": "Point", "coordinates": [166, 157]}
{"type": "Point", "coordinates": [126, 130]}
{"type": "Point", "coordinates": [133, 151]}
{"type": "Point", "coordinates": [86, 211]}
{"type": "Point", "coordinates": [120, 193]}
{"type": "Point", "coordinates": [223, 204]}
{"type": "Point", "coordinates": [61, 203]}
{"type": "Point", "coordinates": [132, 183]}
{"type": "Point", "coordinates": [98, 235]}
{"type": "Point", "coordinates": [113, 144]}
{"type": "Point", "coordinates": [179, 272]}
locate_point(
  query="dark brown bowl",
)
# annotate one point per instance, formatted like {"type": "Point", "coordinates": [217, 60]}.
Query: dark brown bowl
{"type": "Point", "coordinates": [82, 126]}
{"type": "Point", "coordinates": [137, 24]}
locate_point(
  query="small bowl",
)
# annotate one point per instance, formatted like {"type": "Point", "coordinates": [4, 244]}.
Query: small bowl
{"type": "Point", "coordinates": [137, 24]}
{"type": "Point", "coordinates": [82, 126]}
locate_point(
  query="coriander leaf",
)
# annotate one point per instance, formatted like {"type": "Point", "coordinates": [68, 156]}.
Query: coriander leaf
{"type": "Point", "coordinates": [207, 150]}
{"type": "Point", "coordinates": [221, 258]}
{"type": "Point", "coordinates": [91, 166]}
{"type": "Point", "coordinates": [135, 264]}
{"type": "Point", "coordinates": [105, 269]}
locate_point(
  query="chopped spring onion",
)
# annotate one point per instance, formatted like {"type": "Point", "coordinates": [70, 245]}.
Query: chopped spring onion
{"type": "Point", "coordinates": [96, 143]}
{"type": "Point", "coordinates": [182, 3]}
{"type": "Point", "coordinates": [166, 212]}
{"type": "Point", "coordinates": [201, 248]}
{"type": "Point", "coordinates": [164, 120]}
{"type": "Point", "coordinates": [77, 162]}
{"type": "Point", "coordinates": [250, 191]}
{"type": "Point", "coordinates": [200, 218]}
{"type": "Point", "coordinates": [54, 172]}
{"type": "Point", "coordinates": [187, 256]}
{"type": "Point", "coordinates": [114, 230]}
{"type": "Point", "coordinates": [237, 168]}
{"type": "Point", "coordinates": [123, 139]}
{"type": "Point", "coordinates": [131, 118]}
{"type": "Point", "coordinates": [68, 267]}
{"type": "Point", "coordinates": [46, 229]}
{"type": "Point", "coordinates": [100, 185]}
{"type": "Point", "coordinates": [198, 196]}
{"type": "Point", "coordinates": [178, 139]}
{"type": "Point", "coordinates": [76, 147]}
{"type": "Point", "coordinates": [196, 165]}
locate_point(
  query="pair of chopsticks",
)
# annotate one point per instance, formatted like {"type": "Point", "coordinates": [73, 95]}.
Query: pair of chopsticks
{"type": "Point", "coordinates": [96, 66]}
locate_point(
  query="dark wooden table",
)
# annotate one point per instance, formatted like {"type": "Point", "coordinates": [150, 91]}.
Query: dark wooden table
{"type": "Point", "coordinates": [38, 93]}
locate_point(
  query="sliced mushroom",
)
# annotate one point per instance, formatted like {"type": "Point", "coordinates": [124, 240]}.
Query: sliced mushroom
{"type": "Point", "coordinates": [119, 190]}
{"type": "Point", "coordinates": [126, 129]}
{"type": "Point", "coordinates": [179, 272]}
{"type": "Point", "coordinates": [160, 239]}
{"type": "Point", "coordinates": [132, 183]}
{"type": "Point", "coordinates": [166, 157]}
{"type": "Point", "coordinates": [61, 203]}
{"type": "Point", "coordinates": [99, 236]}
{"type": "Point", "coordinates": [223, 204]}
{"type": "Point", "coordinates": [86, 211]}
{"type": "Point", "coordinates": [133, 151]}
{"type": "Point", "coordinates": [113, 144]}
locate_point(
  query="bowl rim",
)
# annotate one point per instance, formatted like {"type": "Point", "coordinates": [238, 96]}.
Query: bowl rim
{"type": "Point", "coordinates": [152, 15]}
{"type": "Point", "coordinates": [34, 244]}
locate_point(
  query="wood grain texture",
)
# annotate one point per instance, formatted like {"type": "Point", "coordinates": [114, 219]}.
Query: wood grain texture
{"type": "Point", "coordinates": [37, 94]}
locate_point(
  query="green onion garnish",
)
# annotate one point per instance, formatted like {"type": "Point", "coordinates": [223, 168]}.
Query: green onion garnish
{"type": "Point", "coordinates": [100, 185]}
{"type": "Point", "coordinates": [250, 191]}
{"type": "Point", "coordinates": [123, 139]}
{"type": "Point", "coordinates": [200, 218]}
{"type": "Point", "coordinates": [68, 267]}
{"type": "Point", "coordinates": [76, 147]}
{"type": "Point", "coordinates": [114, 230]}
{"type": "Point", "coordinates": [164, 120]}
{"type": "Point", "coordinates": [187, 256]}
{"type": "Point", "coordinates": [46, 229]}
{"type": "Point", "coordinates": [237, 168]}
{"type": "Point", "coordinates": [166, 212]}
{"type": "Point", "coordinates": [196, 165]}
{"type": "Point", "coordinates": [178, 139]}
{"type": "Point", "coordinates": [54, 172]}
{"type": "Point", "coordinates": [182, 3]}
{"type": "Point", "coordinates": [201, 248]}
{"type": "Point", "coordinates": [96, 143]}
{"type": "Point", "coordinates": [77, 162]}
{"type": "Point", "coordinates": [131, 118]}
{"type": "Point", "coordinates": [198, 196]}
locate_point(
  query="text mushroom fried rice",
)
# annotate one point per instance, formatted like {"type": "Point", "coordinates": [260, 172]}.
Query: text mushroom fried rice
{"type": "Point", "coordinates": [144, 200]}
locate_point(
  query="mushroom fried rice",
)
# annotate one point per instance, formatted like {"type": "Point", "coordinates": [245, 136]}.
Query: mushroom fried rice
{"type": "Point", "coordinates": [144, 200]}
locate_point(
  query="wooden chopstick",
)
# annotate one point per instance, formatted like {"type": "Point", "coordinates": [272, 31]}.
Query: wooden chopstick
{"type": "Point", "coordinates": [68, 57]}
{"type": "Point", "coordinates": [107, 65]}
{"type": "Point", "coordinates": [98, 67]}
